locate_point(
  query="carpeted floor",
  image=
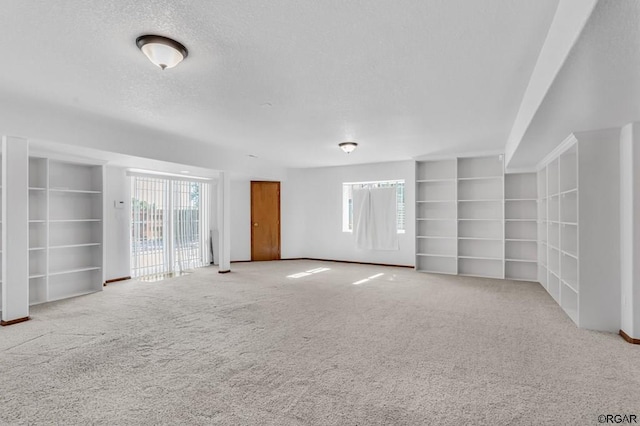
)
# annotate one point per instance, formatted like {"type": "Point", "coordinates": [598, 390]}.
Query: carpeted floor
{"type": "Point", "coordinates": [255, 347]}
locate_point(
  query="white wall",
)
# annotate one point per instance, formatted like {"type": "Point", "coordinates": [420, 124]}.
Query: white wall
{"type": "Point", "coordinates": [117, 239]}
{"type": "Point", "coordinates": [312, 213]}
{"type": "Point", "coordinates": [629, 231]}
{"type": "Point", "coordinates": [240, 220]}
{"type": "Point", "coordinates": [293, 214]}
{"type": "Point", "coordinates": [43, 122]}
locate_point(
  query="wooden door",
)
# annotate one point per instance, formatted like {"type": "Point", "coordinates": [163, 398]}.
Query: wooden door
{"type": "Point", "coordinates": [265, 220]}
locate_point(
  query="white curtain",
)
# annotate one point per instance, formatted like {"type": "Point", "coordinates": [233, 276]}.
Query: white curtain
{"type": "Point", "coordinates": [375, 218]}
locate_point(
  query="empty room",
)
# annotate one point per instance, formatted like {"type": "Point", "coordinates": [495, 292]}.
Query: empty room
{"type": "Point", "coordinates": [342, 212]}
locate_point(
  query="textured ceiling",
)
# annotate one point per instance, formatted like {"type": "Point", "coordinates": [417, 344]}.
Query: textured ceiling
{"type": "Point", "coordinates": [598, 87]}
{"type": "Point", "coordinates": [288, 80]}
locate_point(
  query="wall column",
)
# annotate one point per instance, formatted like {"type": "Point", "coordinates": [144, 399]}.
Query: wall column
{"type": "Point", "coordinates": [15, 230]}
{"type": "Point", "coordinates": [630, 231]}
{"type": "Point", "coordinates": [224, 223]}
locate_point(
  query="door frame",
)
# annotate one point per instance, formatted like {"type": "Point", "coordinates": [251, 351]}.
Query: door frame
{"type": "Point", "coordinates": [279, 216]}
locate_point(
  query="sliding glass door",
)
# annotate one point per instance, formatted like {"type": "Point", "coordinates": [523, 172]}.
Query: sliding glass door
{"type": "Point", "coordinates": [169, 225]}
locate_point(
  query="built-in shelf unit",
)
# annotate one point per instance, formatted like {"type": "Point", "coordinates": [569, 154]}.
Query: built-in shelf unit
{"type": "Point", "coordinates": [481, 216]}
{"type": "Point", "coordinates": [460, 216]}
{"type": "Point", "coordinates": [577, 235]}
{"type": "Point", "coordinates": [436, 216]}
{"type": "Point", "coordinates": [521, 231]}
{"type": "Point", "coordinates": [66, 231]}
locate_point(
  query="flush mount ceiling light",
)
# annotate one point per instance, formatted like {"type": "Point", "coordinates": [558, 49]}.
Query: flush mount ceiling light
{"type": "Point", "coordinates": [348, 147]}
{"type": "Point", "coordinates": [162, 51]}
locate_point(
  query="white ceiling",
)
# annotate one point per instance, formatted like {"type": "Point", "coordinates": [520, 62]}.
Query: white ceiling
{"type": "Point", "coordinates": [287, 80]}
{"type": "Point", "coordinates": [598, 87]}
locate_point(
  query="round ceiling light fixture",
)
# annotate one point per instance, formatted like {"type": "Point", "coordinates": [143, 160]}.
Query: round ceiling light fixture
{"type": "Point", "coordinates": [162, 51]}
{"type": "Point", "coordinates": [348, 147]}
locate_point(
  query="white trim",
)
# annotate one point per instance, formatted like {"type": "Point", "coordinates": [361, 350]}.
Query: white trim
{"type": "Point", "coordinates": [392, 181]}
{"type": "Point", "coordinates": [567, 143]}
{"type": "Point", "coordinates": [456, 156]}
{"type": "Point", "coordinates": [64, 158]}
{"type": "Point", "coordinates": [165, 175]}
{"type": "Point", "coordinates": [521, 171]}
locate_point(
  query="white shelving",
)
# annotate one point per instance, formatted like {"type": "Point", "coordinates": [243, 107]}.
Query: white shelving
{"type": "Point", "coordinates": [460, 216]}
{"type": "Point", "coordinates": [542, 225]}
{"type": "Point", "coordinates": [521, 226]}
{"type": "Point", "coordinates": [557, 203]}
{"type": "Point", "coordinates": [577, 235]}
{"type": "Point", "coordinates": [481, 208]}
{"type": "Point", "coordinates": [65, 229]}
{"type": "Point", "coordinates": [436, 217]}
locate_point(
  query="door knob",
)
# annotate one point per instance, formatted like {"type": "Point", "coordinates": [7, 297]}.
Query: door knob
{"type": "Point", "coordinates": [255, 223]}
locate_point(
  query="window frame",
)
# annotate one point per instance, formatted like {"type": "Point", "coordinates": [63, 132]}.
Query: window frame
{"type": "Point", "coordinates": [347, 202]}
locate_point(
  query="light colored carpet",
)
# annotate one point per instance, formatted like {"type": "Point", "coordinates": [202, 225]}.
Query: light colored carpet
{"type": "Point", "coordinates": [254, 347]}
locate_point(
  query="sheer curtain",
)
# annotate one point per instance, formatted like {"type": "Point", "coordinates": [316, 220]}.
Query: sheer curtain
{"type": "Point", "coordinates": [375, 212]}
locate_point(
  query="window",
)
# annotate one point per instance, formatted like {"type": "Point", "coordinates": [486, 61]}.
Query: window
{"type": "Point", "coordinates": [169, 225]}
{"type": "Point", "coordinates": [347, 201]}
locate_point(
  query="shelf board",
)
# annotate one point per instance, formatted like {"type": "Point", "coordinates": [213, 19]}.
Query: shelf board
{"type": "Point", "coordinates": [521, 260]}
{"type": "Point", "coordinates": [480, 200]}
{"type": "Point", "coordinates": [521, 279]}
{"type": "Point", "coordinates": [435, 180]}
{"type": "Point", "coordinates": [75, 191]}
{"type": "Point", "coordinates": [554, 274]}
{"type": "Point", "coordinates": [36, 248]}
{"type": "Point", "coordinates": [480, 258]}
{"type": "Point", "coordinates": [37, 220]}
{"type": "Point", "coordinates": [73, 271]}
{"type": "Point", "coordinates": [480, 238]}
{"type": "Point", "coordinates": [436, 201]}
{"type": "Point", "coordinates": [483, 220]}
{"type": "Point", "coordinates": [428, 271]}
{"type": "Point", "coordinates": [74, 220]}
{"type": "Point", "coordinates": [569, 191]}
{"type": "Point", "coordinates": [521, 220]}
{"type": "Point", "coordinates": [437, 218]}
{"type": "Point", "coordinates": [553, 248]}
{"type": "Point", "coordinates": [68, 296]}
{"type": "Point", "coordinates": [566, 253]}
{"type": "Point", "coordinates": [37, 276]}
{"type": "Point", "coordinates": [569, 285]}
{"type": "Point", "coordinates": [74, 245]}
{"type": "Point", "coordinates": [436, 255]}
{"type": "Point", "coordinates": [521, 199]}
{"type": "Point", "coordinates": [569, 223]}
{"type": "Point", "coordinates": [436, 236]}
{"type": "Point", "coordinates": [522, 240]}
{"type": "Point", "coordinates": [495, 277]}
{"type": "Point", "coordinates": [37, 188]}
{"type": "Point", "coordinates": [481, 178]}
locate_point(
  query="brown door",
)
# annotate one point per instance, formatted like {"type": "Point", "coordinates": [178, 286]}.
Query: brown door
{"type": "Point", "coordinates": [265, 220]}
